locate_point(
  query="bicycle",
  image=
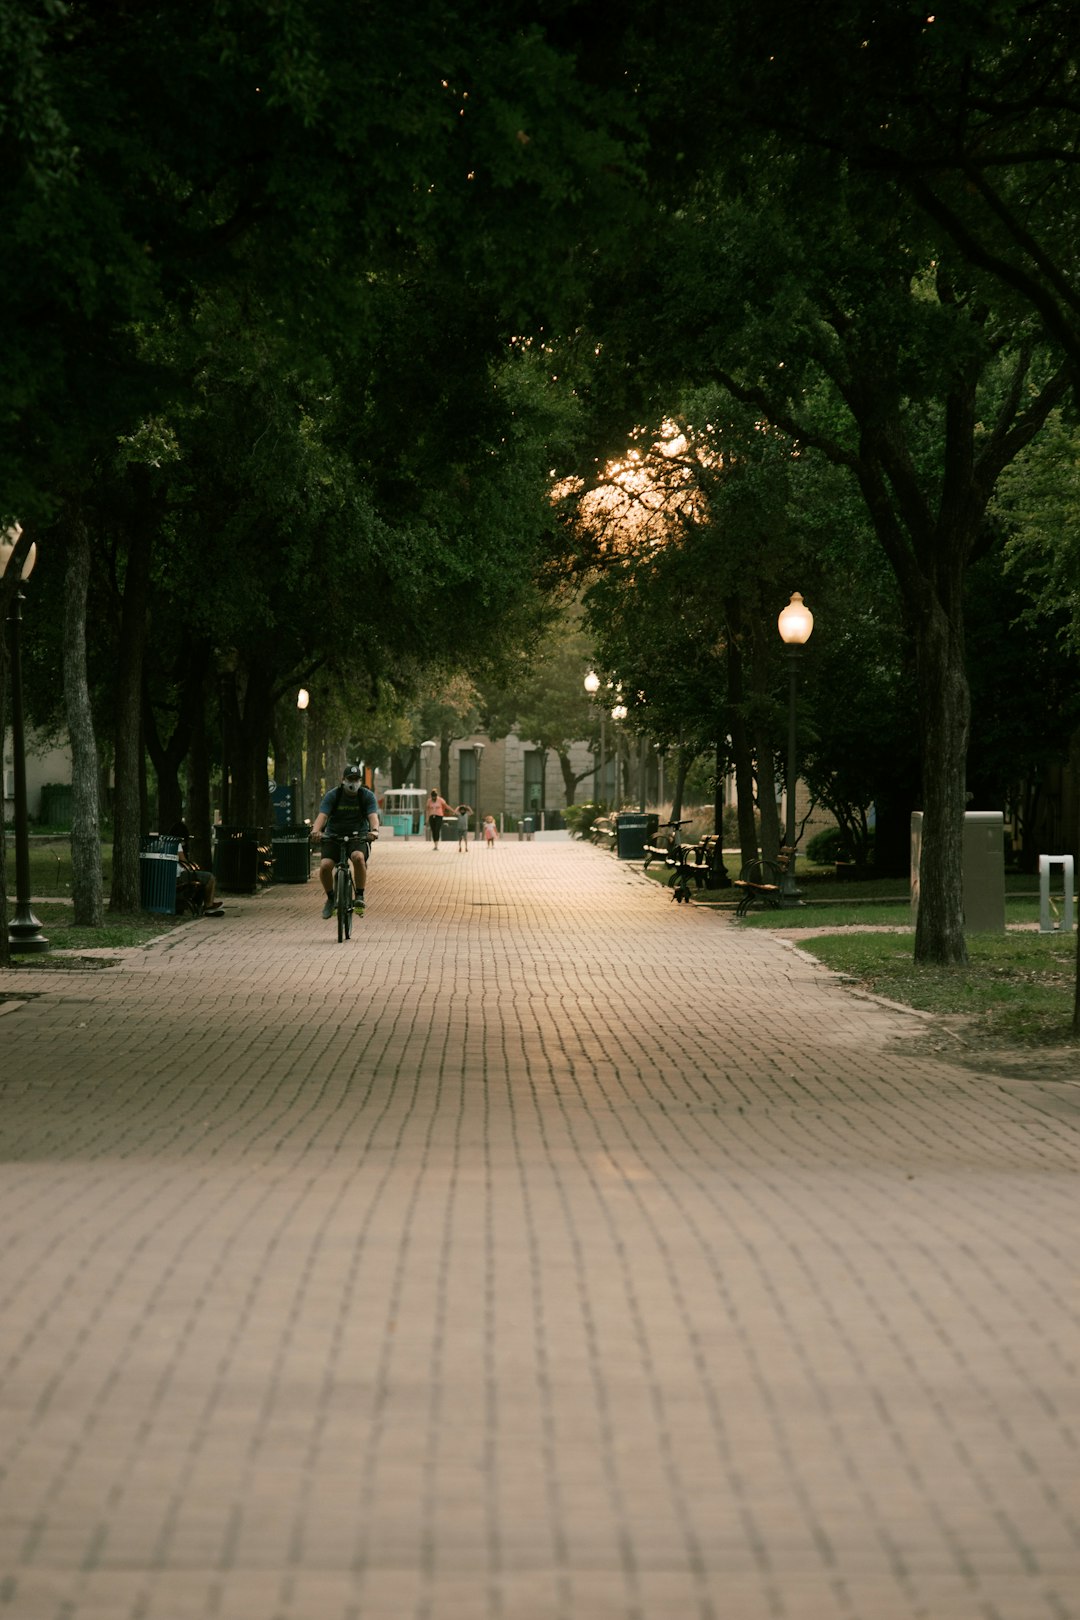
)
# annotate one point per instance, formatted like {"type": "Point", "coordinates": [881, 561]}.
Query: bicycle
{"type": "Point", "coordinates": [692, 865]}
{"type": "Point", "coordinates": [669, 849]}
{"type": "Point", "coordinates": [344, 889]}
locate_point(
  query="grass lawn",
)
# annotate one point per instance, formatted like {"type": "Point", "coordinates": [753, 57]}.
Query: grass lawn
{"type": "Point", "coordinates": [50, 864]}
{"type": "Point", "coordinates": [59, 929]}
{"type": "Point", "coordinates": [50, 886]}
{"type": "Point", "coordinates": [1017, 989]}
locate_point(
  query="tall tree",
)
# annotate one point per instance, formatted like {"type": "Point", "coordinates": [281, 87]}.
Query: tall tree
{"type": "Point", "coordinates": [864, 345]}
{"type": "Point", "coordinates": [971, 111]}
{"type": "Point", "coordinates": [86, 888]}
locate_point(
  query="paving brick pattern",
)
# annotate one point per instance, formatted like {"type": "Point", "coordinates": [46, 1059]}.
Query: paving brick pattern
{"type": "Point", "coordinates": [547, 1252]}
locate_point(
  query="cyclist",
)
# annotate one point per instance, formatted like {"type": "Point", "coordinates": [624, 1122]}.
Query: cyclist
{"type": "Point", "coordinates": [349, 811]}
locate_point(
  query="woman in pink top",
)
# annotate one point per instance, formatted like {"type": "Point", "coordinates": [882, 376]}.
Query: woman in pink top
{"type": "Point", "coordinates": [437, 808]}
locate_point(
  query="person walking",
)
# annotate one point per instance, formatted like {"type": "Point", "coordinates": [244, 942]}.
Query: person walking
{"type": "Point", "coordinates": [464, 811]}
{"type": "Point", "coordinates": [491, 832]}
{"type": "Point", "coordinates": [437, 810]}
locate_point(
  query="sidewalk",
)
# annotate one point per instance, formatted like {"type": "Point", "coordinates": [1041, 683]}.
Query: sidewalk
{"type": "Point", "coordinates": [546, 1252]}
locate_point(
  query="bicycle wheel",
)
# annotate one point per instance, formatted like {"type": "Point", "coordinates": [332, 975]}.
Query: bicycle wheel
{"type": "Point", "coordinates": [344, 895]}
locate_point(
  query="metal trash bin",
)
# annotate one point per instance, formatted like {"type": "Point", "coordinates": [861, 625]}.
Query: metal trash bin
{"type": "Point", "coordinates": [236, 859]}
{"type": "Point", "coordinates": [631, 836]}
{"type": "Point", "coordinates": [292, 853]}
{"type": "Point", "coordinates": [157, 875]}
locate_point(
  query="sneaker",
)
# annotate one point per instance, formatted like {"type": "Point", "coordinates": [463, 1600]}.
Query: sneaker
{"type": "Point", "coordinates": [328, 908]}
{"type": "Point", "coordinates": [358, 908]}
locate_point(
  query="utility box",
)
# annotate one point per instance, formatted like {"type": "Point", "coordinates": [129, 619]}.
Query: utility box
{"type": "Point", "coordinates": [983, 863]}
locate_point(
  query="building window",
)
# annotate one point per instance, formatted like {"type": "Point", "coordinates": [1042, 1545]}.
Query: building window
{"type": "Point", "coordinates": [534, 780]}
{"type": "Point", "coordinates": [467, 776]}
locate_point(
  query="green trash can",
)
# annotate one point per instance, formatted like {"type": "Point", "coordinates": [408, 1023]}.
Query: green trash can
{"type": "Point", "coordinates": [292, 853]}
{"type": "Point", "coordinates": [157, 875]}
{"type": "Point", "coordinates": [236, 859]}
{"type": "Point", "coordinates": [631, 835]}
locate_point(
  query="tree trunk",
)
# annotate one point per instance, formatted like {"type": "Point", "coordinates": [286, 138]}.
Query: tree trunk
{"type": "Point", "coordinates": [251, 712]}
{"type": "Point", "coordinates": [86, 883]}
{"type": "Point", "coordinates": [1074, 764]}
{"type": "Point", "coordinates": [766, 799]}
{"type": "Point", "coordinates": [168, 757]}
{"type": "Point", "coordinates": [570, 777]}
{"type": "Point", "coordinates": [127, 822]}
{"type": "Point", "coordinates": [5, 605]}
{"type": "Point", "coordinates": [741, 753]}
{"type": "Point", "coordinates": [199, 816]}
{"type": "Point", "coordinates": [945, 707]}
{"type": "Point", "coordinates": [683, 761]}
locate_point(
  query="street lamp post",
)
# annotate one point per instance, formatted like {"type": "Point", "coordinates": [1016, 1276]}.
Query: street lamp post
{"type": "Point", "coordinates": [592, 686]}
{"type": "Point", "coordinates": [425, 757]}
{"type": "Point", "coordinates": [618, 712]}
{"type": "Point", "coordinates": [303, 698]}
{"type": "Point", "coordinates": [425, 771]}
{"type": "Point", "coordinates": [24, 929]}
{"type": "Point", "coordinates": [478, 754]}
{"type": "Point", "coordinates": [795, 624]}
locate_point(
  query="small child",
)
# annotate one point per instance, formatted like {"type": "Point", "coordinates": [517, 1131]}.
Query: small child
{"type": "Point", "coordinates": [491, 832]}
{"type": "Point", "coordinates": [463, 813]}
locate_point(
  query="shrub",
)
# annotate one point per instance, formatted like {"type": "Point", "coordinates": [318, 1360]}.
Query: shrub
{"type": "Point", "coordinates": [826, 847]}
{"type": "Point", "coordinates": [580, 817]}
{"type": "Point", "coordinates": [830, 845]}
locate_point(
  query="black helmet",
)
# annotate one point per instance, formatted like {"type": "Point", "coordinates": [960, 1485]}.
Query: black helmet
{"type": "Point", "coordinates": [351, 773]}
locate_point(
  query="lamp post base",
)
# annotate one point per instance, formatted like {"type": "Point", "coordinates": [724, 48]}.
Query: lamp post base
{"type": "Point", "coordinates": [24, 932]}
{"type": "Point", "coordinates": [790, 894]}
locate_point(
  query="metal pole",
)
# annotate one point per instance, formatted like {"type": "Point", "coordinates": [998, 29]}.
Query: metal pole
{"type": "Point", "coordinates": [24, 929]}
{"type": "Point", "coordinates": [641, 772]}
{"type": "Point", "coordinates": [789, 894]}
{"type": "Point", "coordinates": [603, 758]}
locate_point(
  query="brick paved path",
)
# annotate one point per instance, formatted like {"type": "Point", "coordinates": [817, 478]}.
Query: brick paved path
{"type": "Point", "coordinates": [549, 1252]}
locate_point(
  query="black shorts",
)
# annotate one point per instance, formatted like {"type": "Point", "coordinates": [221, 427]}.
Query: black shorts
{"type": "Point", "coordinates": [330, 845]}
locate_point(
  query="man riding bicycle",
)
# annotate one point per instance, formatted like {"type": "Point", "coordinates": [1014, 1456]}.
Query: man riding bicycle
{"type": "Point", "coordinates": [349, 812]}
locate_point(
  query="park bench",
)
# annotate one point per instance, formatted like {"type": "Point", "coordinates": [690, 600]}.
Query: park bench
{"type": "Point", "coordinates": [603, 832]}
{"type": "Point", "coordinates": [764, 894]}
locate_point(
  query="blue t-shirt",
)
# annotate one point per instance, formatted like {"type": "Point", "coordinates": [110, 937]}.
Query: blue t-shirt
{"type": "Point", "coordinates": [347, 814]}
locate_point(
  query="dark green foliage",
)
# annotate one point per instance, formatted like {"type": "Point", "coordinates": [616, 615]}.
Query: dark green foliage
{"type": "Point", "coordinates": [826, 846]}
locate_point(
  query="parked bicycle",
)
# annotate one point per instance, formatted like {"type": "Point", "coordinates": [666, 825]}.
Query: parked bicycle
{"type": "Point", "coordinates": [692, 866]}
{"type": "Point", "coordinates": [669, 845]}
